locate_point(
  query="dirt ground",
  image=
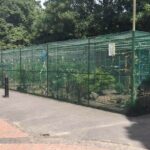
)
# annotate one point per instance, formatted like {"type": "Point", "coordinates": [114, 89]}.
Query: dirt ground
{"type": "Point", "coordinates": [31, 122]}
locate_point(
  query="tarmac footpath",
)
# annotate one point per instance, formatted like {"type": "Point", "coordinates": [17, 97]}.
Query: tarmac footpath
{"type": "Point", "coordinates": [12, 138]}
{"type": "Point", "coordinates": [33, 122]}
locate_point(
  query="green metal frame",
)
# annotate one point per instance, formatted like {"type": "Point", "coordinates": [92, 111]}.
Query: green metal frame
{"type": "Point", "coordinates": [80, 71]}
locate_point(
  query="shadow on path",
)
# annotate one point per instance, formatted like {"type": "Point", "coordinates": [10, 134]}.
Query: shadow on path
{"type": "Point", "coordinates": [140, 130]}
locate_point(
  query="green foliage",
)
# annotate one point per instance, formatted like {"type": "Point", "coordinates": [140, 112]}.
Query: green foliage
{"type": "Point", "coordinates": [23, 79]}
{"type": "Point", "coordinates": [143, 17]}
{"type": "Point", "coordinates": [17, 19]}
{"type": "Point", "coordinates": [120, 88]}
{"type": "Point", "coordinates": [24, 22]}
{"type": "Point", "coordinates": [142, 105]}
{"type": "Point", "coordinates": [97, 81]}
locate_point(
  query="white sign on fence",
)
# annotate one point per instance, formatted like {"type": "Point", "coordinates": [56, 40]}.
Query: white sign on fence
{"type": "Point", "coordinates": [112, 49]}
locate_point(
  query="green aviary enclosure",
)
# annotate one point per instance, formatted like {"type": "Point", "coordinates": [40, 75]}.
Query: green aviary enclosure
{"type": "Point", "coordinates": [110, 71]}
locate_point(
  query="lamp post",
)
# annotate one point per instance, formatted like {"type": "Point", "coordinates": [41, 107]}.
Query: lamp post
{"type": "Point", "coordinates": [134, 15]}
{"type": "Point", "coordinates": [133, 54]}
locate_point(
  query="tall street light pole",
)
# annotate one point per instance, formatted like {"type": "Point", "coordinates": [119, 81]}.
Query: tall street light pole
{"type": "Point", "coordinates": [134, 15]}
{"type": "Point", "coordinates": [133, 54]}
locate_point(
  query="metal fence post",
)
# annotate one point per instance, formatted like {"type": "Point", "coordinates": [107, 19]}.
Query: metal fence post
{"type": "Point", "coordinates": [89, 71]}
{"type": "Point", "coordinates": [6, 94]}
{"type": "Point", "coordinates": [47, 70]}
{"type": "Point", "coordinates": [57, 67]}
{"type": "Point", "coordinates": [20, 69]}
{"type": "Point", "coordinates": [32, 84]}
{"type": "Point", "coordinates": [2, 68]}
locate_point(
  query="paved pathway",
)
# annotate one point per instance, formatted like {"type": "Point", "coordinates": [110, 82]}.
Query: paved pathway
{"type": "Point", "coordinates": [12, 138]}
{"type": "Point", "coordinates": [32, 123]}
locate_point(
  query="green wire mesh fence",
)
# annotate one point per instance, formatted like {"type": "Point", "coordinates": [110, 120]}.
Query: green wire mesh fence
{"type": "Point", "coordinates": [96, 72]}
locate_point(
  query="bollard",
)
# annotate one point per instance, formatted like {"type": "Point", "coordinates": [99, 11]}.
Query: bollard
{"type": "Point", "coordinates": [6, 87]}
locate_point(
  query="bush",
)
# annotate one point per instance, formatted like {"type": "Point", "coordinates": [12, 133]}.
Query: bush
{"type": "Point", "coordinates": [142, 105]}
{"type": "Point", "coordinates": [98, 81]}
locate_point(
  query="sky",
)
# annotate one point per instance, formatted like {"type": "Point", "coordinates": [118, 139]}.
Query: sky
{"type": "Point", "coordinates": [42, 2]}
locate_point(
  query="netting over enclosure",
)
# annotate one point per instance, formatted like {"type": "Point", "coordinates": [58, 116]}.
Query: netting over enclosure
{"type": "Point", "coordinates": [98, 71]}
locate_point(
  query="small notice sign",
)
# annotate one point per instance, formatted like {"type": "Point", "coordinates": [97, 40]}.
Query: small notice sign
{"type": "Point", "coordinates": [112, 49]}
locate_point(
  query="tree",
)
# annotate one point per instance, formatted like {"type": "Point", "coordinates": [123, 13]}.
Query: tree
{"type": "Point", "coordinates": [58, 21]}
{"type": "Point", "coordinates": [143, 19]}
{"type": "Point", "coordinates": [24, 22]}
{"type": "Point", "coordinates": [17, 18]}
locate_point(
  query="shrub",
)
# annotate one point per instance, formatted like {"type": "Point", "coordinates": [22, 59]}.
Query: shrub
{"type": "Point", "coordinates": [142, 105]}
{"type": "Point", "coordinates": [97, 81]}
